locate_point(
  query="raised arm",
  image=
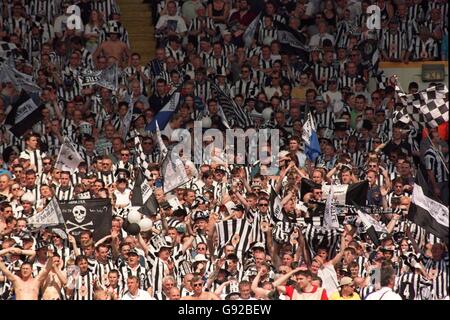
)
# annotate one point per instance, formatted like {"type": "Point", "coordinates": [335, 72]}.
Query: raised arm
{"type": "Point", "coordinates": [44, 273]}
{"type": "Point", "coordinates": [259, 292]}
{"type": "Point", "coordinates": [8, 274]}
{"type": "Point", "coordinates": [337, 258]}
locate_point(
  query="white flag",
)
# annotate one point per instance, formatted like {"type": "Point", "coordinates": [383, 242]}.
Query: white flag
{"type": "Point", "coordinates": [50, 216]}
{"type": "Point", "coordinates": [330, 219]}
{"type": "Point", "coordinates": [68, 158]}
{"type": "Point", "coordinates": [173, 171]}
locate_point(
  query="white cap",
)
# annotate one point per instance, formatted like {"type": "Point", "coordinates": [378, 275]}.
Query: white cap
{"type": "Point", "coordinates": [28, 197]}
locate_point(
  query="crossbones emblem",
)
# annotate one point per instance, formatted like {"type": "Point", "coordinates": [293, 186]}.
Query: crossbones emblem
{"type": "Point", "coordinates": [79, 226]}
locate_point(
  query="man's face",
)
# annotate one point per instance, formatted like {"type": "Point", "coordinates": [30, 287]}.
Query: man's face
{"type": "Point", "coordinates": [244, 291]}
{"type": "Point", "coordinates": [303, 281]}
{"type": "Point", "coordinates": [133, 285]}
{"type": "Point", "coordinates": [197, 286]}
{"type": "Point", "coordinates": [64, 180]}
{"type": "Point", "coordinates": [83, 265]}
{"type": "Point", "coordinates": [169, 284]}
{"type": "Point", "coordinates": [103, 253]}
{"type": "Point", "coordinates": [293, 145]}
{"type": "Point", "coordinates": [287, 260]}
{"type": "Point", "coordinates": [32, 143]}
{"type": "Point", "coordinates": [113, 278]}
{"type": "Point", "coordinates": [30, 180]}
{"type": "Point", "coordinates": [174, 294]}
{"type": "Point", "coordinates": [4, 182]}
{"type": "Point", "coordinates": [133, 259]}
{"type": "Point", "coordinates": [26, 271]}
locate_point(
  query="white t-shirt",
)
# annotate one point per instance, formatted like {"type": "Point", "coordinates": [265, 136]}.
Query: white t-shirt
{"type": "Point", "coordinates": [171, 21]}
{"type": "Point", "coordinates": [329, 278]}
{"type": "Point", "coordinates": [141, 295]}
{"type": "Point", "coordinates": [384, 293]}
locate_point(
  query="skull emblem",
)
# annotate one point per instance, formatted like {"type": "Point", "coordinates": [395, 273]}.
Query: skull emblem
{"type": "Point", "coordinates": [79, 213]}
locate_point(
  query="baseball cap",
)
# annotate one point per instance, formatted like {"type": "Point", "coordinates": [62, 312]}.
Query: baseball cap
{"type": "Point", "coordinates": [133, 252]}
{"type": "Point", "coordinates": [345, 281]}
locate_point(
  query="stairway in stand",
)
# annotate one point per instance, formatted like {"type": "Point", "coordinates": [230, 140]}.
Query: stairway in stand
{"type": "Point", "coordinates": [136, 16]}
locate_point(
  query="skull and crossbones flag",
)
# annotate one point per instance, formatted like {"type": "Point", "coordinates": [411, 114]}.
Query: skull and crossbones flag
{"type": "Point", "coordinates": [93, 215]}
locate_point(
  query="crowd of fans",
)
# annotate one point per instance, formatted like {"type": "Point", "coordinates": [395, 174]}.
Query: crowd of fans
{"type": "Point", "coordinates": [198, 41]}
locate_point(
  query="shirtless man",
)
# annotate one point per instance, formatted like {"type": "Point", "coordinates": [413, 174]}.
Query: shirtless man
{"type": "Point", "coordinates": [199, 294]}
{"type": "Point", "coordinates": [55, 281]}
{"type": "Point", "coordinates": [114, 48]}
{"type": "Point", "coordinates": [25, 286]}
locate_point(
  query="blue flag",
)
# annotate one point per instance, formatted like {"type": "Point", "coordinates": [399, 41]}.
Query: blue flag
{"type": "Point", "coordinates": [312, 146]}
{"type": "Point", "coordinates": [165, 114]}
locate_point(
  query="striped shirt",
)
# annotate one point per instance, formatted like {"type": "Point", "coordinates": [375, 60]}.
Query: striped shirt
{"type": "Point", "coordinates": [413, 286]}
{"type": "Point", "coordinates": [393, 44]}
{"type": "Point", "coordinates": [246, 88]}
{"type": "Point", "coordinates": [434, 163]}
{"type": "Point", "coordinates": [64, 193]}
{"type": "Point", "coordinates": [84, 288]}
{"type": "Point", "coordinates": [423, 49]}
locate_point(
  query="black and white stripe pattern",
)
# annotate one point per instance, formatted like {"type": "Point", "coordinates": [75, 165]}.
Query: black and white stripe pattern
{"type": "Point", "coordinates": [435, 163]}
{"type": "Point", "coordinates": [315, 236]}
{"type": "Point", "coordinates": [227, 229]}
{"type": "Point", "coordinates": [64, 193]}
{"type": "Point", "coordinates": [84, 289]}
{"type": "Point", "coordinates": [393, 44]}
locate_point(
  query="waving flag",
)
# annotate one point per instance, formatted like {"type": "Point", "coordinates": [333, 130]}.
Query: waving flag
{"type": "Point", "coordinates": [68, 158]}
{"type": "Point", "coordinates": [249, 33]}
{"type": "Point", "coordinates": [23, 115]}
{"type": "Point", "coordinates": [173, 172]}
{"type": "Point", "coordinates": [107, 78]}
{"type": "Point", "coordinates": [429, 214]}
{"type": "Point", "coordinates": [165, 114]}
{"type": "Point", "coordinates": [428, 107]}
{"type": "Point", "coordinates": [50, 216]}
{"type": "Point", "coordinates": [330, 219]}
{"type": "Point", "coordinates": [312, 146]}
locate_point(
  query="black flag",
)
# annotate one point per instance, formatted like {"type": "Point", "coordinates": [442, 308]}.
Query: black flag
{"type": "Point", "coordinates": [24, 114]}
{"type": "Point", "coordinates": [141, 190]}
{"type": "Point", "coordinates": [94, 215]}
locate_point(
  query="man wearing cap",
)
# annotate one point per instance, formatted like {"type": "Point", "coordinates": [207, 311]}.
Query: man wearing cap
{"type": "Point", "coordinates": [132, 267]}
{"type": "Point", "coordinates": [346, 290]}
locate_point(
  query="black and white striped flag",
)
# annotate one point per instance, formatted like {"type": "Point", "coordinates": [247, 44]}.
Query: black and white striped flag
{"type": "Point", "coordinates": [429, 214]}
{"type": "Point", "coordinates": [227, 229]}
{"type": "Point", "coordinates": [426, 108]}
{"type": "Point", "coordinates": [234, 113]}
{"type": "Point", "coordinates": [371, 226]}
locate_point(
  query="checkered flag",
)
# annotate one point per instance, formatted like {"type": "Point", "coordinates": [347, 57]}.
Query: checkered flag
{"type": "Point", "coordinates": [425, 108]}
{"type": "Point", "coordinates": [141, 158]}
{"type": "Point", "coordinates": [6, 48]}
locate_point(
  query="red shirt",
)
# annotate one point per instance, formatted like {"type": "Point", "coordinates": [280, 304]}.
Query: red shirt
{"type": "Point", "coordinates": [290, 292]}
{"type": "Point", "coordinates": [245, 20]}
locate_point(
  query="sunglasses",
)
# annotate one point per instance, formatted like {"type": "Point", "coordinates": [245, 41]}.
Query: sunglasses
{"type": "Point", "coordinates": [46, 163]}
{"type": "Point", "coordinates": [197, 285]}
{"type": "Point", "coordinates": [124, 154]}
{"type": "Point", "coordinates": [263, 204]}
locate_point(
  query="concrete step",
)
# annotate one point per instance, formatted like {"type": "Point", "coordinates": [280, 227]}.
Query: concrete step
{"type": "Point", "coordinates": [136, 16]}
